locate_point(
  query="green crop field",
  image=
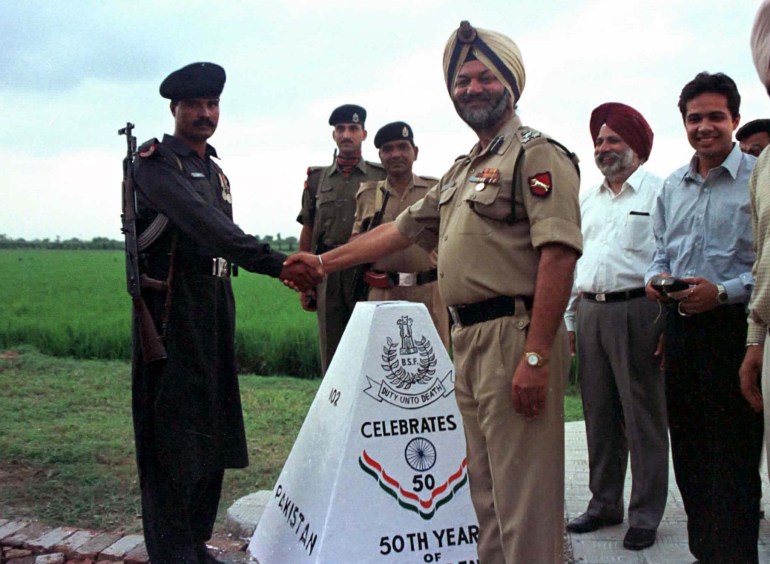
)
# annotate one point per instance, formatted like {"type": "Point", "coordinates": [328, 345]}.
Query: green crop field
{"type": "Point", "coordinates": [74, 303]}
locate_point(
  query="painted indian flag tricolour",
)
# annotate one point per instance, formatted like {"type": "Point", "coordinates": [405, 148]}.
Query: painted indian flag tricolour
{"type": "Point", "coordinates": [378, 472]}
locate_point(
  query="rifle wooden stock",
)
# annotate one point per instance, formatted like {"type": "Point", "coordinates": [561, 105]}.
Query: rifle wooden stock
{"type": "Point", "coordinates": [151, 342]}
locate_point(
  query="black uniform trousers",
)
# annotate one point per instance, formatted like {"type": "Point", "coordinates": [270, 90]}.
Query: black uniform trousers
{"type": "Point", "coordinates": [178, 518]}
{"type": "Point", "coordinates": [716, 439]}
{"type": "Point", "coordinates": [178, 515]}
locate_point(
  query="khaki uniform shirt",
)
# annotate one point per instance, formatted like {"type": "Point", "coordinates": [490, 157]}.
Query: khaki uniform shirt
{"type": "Point", "coordinates": [329, 201]}
{"type": "Point", "coordinates": [413, 258]}
{"type": "Point", "coordinates": [484, 251]}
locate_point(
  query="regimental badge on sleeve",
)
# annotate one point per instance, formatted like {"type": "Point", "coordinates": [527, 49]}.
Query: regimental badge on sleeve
{"type": "Point", "coordinates": [149, 151]}
{"type": "Point", "coordinates": [540, 184]}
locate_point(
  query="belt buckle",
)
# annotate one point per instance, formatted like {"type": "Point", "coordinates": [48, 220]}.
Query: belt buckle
{"type": "Point", "coordinates": [219, 267]}
{"type": "Point", "coordinates": [407, 279]}
{"type": "Point", "coordinates": [453, 313]}
{"type": "Point", "coordinates": [601, 297]}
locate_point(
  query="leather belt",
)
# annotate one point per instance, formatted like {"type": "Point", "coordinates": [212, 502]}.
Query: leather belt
{"type": "Point", "coordinates": [500, 306]}
{"type": "Point", "coordinates": [413, 278]}
{"type": "Point", "coordinates": [215, 266]}
{"type": "Point", "coordinates": [614, 296]}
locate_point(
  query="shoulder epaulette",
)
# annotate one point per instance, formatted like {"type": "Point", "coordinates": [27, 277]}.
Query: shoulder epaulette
{"type": "Point", "coordinates": [375, 165]}
{"type": "Point", "coordinates": [313, 172]}
{"type": "Point", "coordinates": [368, 185]}
{"type": "Point", "coordinates": [428, 179]}
{"type": "Point", "coordinates": [531, 137]}
{"type": "Point", "coordinates": [148, 148]}
{"type": "Point", "coordinates": [461, 157]}
{"type": "Point", "coordinates": [528, 136]}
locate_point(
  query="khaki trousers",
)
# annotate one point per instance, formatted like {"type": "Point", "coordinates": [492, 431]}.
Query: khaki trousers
{"type": "Point", "coordinates": [515, 466]}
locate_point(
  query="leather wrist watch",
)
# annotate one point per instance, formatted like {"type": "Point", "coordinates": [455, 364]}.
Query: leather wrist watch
{"type": "Point", "coordinates": [534, 359]}
{"type": "Point", "coordinates": [721, 294]}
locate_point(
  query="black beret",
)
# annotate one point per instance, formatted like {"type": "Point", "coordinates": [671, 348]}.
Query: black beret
{"type": "Point", "coordinates": [753, 127]}
{"type": "Point", "coordinates": [349, 113]}
{"type": "Point", "coordinates": [198, 80]}
{"type": "Point", "coordinates": [396, 131]}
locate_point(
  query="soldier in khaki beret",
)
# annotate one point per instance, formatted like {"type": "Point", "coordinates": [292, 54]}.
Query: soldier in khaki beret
{"type": "Point", "coordinates": [409, 274]}
{"type": "Point", "coordinates": [508, 237]}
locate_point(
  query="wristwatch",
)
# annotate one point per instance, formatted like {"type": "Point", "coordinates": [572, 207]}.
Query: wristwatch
{"type": "Point", "coordinates": [721, 294]}
{"type": "Point", "coordinates": [534, 359]}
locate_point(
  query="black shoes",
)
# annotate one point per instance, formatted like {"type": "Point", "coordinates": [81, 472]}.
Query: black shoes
{"type": "Point", "coordinates": [587, 523]}
{"type": "Point", "coordinates": [639, 539]}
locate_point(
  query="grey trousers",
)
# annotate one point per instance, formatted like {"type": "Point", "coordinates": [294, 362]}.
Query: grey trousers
{"type": "Point", "coordinates": [624, 405]}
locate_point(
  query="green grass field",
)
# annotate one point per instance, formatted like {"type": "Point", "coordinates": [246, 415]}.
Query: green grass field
{"type": "Point", "coordinates": [74, 304]}
{"type": "Point", "coordinates": [66, 440]}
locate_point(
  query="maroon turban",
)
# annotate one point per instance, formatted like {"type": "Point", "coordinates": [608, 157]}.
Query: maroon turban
{"type": "Point", "coordinates": [626, 122]}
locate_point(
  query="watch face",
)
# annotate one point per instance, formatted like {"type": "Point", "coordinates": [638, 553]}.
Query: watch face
{"type": "Point", "coordinates": [532, 359]}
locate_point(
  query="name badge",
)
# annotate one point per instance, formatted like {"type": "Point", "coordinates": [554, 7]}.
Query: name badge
{"type": "Point", "coordinates": [197, 175]}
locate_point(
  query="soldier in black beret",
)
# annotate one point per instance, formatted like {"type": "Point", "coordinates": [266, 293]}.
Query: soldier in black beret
{"type": "Point", "coordinates": [409, 274]}
{"type": "Point", "coordinates": [396, 131]}
{"type": "Point", "coordinates": [328, 211]}
{"type": "Point", "coordinates": [188, 424]}
{"type": "Point", "coordinates": [754, 136]}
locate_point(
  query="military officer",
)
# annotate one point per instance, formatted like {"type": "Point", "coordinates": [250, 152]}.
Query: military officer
{"type": "Point", "coordinates": [508, 237]}
{"type": "Point", "coordinates": [409, 274]}
{"type": "Point", "coordinates": [327, 215]}
{"type": "Point", "coordinates": [188, 424]}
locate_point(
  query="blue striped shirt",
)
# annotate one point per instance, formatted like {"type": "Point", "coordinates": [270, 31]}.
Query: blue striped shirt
{"type": "Point", "coordinates": [702, 226]}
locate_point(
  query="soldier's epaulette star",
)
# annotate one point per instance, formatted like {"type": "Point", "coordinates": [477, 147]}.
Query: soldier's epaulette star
{"type": "Point", "coordinates": [527, 134]}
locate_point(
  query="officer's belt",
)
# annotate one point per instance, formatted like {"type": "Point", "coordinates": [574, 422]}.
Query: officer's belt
{"type": "Point", "coordinates": [614, 296]}
{"type": "Point", "coordinates": [500, 306]}
{"type": "Point", "coordinates": [377, 279]}
{"type": "Point", "coordinates": [214, 266]}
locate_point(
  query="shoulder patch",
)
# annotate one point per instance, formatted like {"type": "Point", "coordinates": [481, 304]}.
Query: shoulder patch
{"type": "Point", "coordinates": [148, 148]}
{"type": "Point", "coordinates": [540, 184]}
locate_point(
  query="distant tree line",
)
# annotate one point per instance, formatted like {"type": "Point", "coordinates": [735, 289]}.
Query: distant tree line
{"type": "Point", "coordinates": [278, 243]}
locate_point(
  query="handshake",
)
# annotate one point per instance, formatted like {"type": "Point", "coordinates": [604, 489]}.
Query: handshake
{"type": "Point", "coordinates": [302, 271]}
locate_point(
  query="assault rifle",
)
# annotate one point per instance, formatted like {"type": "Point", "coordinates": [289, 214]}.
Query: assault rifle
{"type": "Point", "coordinates": [151, 341]}
{"type": "Point", "coordinates": [359, 284]}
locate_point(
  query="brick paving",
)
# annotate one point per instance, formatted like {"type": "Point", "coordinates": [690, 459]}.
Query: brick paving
{"type": "Point", "coordinates": [31, 542]}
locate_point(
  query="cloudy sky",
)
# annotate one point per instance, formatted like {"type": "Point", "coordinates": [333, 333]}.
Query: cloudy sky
{"type": "Point", "coordinates": [73, 73]}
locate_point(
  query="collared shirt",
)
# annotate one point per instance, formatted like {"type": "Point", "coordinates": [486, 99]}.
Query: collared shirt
{"type": "Point", "coordinates": [759, 306]}
{"type": "Point", "coordinates": [329, 200]}
{"type": "Point", "coordinates": [487, 227]}
{"type": "Point", "coordinates": [703, 225]}
{"type": "Point", "coordinates": [617, 237]}
{"type": "Point", "coordinates": [195, 195]}
{"type": "Point", "coordinates": [413, 258]}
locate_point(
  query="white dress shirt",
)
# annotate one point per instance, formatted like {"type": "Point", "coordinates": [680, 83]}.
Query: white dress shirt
{"type": "Point", "coordinates": [618, 239]}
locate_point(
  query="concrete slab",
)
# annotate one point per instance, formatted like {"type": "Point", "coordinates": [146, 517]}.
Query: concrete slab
{"type": "Point", "coordinates": [606, 545]}
{"type": "Point", "coordinates": [244, 514]}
